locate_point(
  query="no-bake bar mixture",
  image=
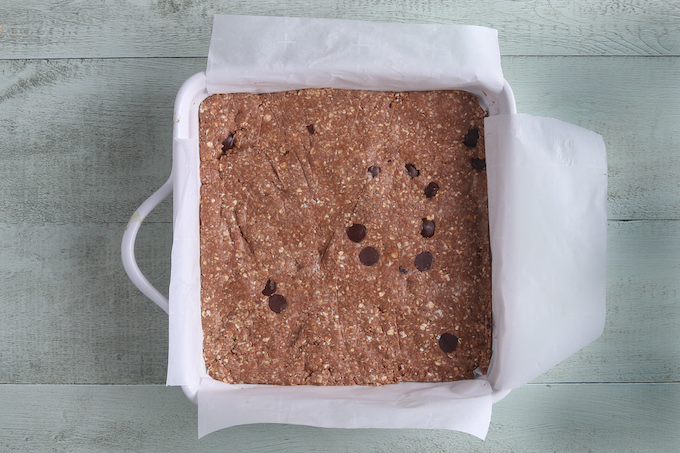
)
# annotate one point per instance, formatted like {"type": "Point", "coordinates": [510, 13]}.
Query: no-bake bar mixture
{"type": "Point", "coordinates": [344, 237]}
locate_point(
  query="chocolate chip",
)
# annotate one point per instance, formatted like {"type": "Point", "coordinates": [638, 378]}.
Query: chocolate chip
{"type": "Point", "coordinates": [448, 342]}
{"type": "Point", "coordinates": [431, 189]}
{"type": "Point", "coordinates": [478, 164]}
{"type": "Point", "coordinates": [269, 287]}
{"type": "Point", "coordinates": [228, 143]}
{"type": "Point", "coordinates": [310, 129]}
{"type": "Point", "coordinates": [369, 256]}
{"type": "Point", "coordinates": [403, 270]}
{"type": "Point", "coordinates": [356, 233]}
{"type": "Point", "coordinates": [374, 170]}
{"type": "Point", "coordinates": [412, 170]}
{"type": "Point", "coordinates": [423, 261]}
{"type": "Point", "coordinates": [277, 303]}
{"type": "Point", "coordinates": [428, 228]}
{"type": "Point", "coordinates": [471, 138]}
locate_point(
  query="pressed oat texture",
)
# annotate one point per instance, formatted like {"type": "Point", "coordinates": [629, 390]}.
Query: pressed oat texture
{"type": "Point", "coordinates": [344, 237]}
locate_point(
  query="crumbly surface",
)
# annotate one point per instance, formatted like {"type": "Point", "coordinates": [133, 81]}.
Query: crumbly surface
{"type": "Point", "coordinates": [292, 291]}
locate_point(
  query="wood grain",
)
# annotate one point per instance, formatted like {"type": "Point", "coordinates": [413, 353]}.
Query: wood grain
{"type": "Point", "coordinates": [87, 140]}
{"type": "Point", "coordinates": [181, 28]}
{"type": "Point", "coordinates": [69, 314]}
{"type": "Point", "coordinates": [535, 418]}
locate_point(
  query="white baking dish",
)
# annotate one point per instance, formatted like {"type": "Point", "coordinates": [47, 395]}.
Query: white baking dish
{"type": "Point", "coordinates": [185, 129]}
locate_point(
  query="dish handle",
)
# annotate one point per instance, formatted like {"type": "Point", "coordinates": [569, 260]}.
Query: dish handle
{"type": "Point", "coordinates": [128, 245]}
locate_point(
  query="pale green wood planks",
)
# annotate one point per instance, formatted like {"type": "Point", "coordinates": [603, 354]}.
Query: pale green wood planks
{"type": "Point", "coordinates": [181, 28]}
{"type": "Point", "coordinates": [535, 418]}
{"type": "Point", "coordinates": [86, 99]}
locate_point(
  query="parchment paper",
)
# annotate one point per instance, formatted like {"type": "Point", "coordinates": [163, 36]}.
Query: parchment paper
{"type": "Point", "coordinates": [544, 179]}
{"type": "Point", "coordinates": [547, 183]}
{"type": "Point", "coordinates": [266, 54]}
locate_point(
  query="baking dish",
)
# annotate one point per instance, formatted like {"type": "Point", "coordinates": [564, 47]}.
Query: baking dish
{"type": "Point", "coordinates": [187, 103]}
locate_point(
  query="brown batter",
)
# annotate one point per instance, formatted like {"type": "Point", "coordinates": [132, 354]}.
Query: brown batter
{"type": "Point", "coordinates": [344, 237]}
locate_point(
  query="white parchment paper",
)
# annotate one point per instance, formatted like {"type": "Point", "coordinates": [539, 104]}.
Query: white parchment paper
{"type": "Point", "coordinates": [462, 406]}
{"type": "Point", "coordinates": [547, 184]}
{"type": "Point", "coordinates": [265, 54]}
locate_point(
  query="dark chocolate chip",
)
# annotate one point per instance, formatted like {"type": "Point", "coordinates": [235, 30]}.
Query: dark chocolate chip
{"type": "Point", "coordinates": [228, 143]}
{"type": "Point", "coordinates": [403, 270]}
{"type": "Point", "coordinates": [423, 261]}
{"type": "Point", "coordinates": [374, 170]}
{"type": "Point", "coordinates": [369, 256]}
{"type": "Point", "coordinates": [428, 228]}
{"type": "Point", "coordinates": [356, 233]}
{"type": "Point", "coordinates": [412, 170]}
{"type": "Point", "coordinates": [269, 287]}
{"type": "Point", "coordinates": [471, 138]}
{"type": "Point", "coordinates": [277, 303]}
{"type": "Point", "coordinates": [448, 342]}
{"type": "Point", "coordinates": [310, 129]}
{"type": "Point", "coordinates": [431, 189]}
{"type": "Point", "coordinates": [478, 164]}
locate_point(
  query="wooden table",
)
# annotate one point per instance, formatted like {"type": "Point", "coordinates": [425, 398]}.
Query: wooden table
{"type": "Point", "coordinates": [86, 100]}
